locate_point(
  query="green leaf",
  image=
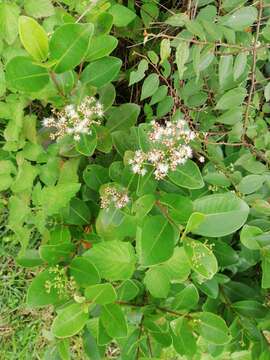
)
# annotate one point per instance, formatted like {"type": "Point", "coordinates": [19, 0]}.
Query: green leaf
{"type": "Point", "coordinates": [95, 175]}
{"type": "Point", "coordinates": [102, 71]}
{"type": "Point", "coordinates": [201, 258]}
{"type": "Point", "coordinates": [53, 198]}
{"type": "Point", "coordinates": [33, 38]}
{"type": "Point", "coordinates": [37, 294]}
{"type": "Point", "coordinates": [122, 117]}
{"type": "Point", "coordinates": [69, 44]}
{"type": "Point", "coordinates": [122, 16]}
{"type": "Point", "coordinates": [54, 254]}
{"type": "Point", "coordinates": [186, 299]}
{"type": "Point", "coordinates": [69, 321]}
{"type": "Point", "coordinates": [194, 221]}
{"type": "Point", "coordinates": [241, 18]}
{"type": "Point", "coordinates": [76, 213]}
{"type": "Point", "coordinates": [155, 241]}
{"type": "Point", "coordinates": [225, 214]}
{"type": "Point", "coordinates": [114, 321]}
{"type": "Point", "coordinates": [179, 207]}
{"type": "Point", "coordinates": [24, 75]}
{"type": "Point", "coordinates": [40, 9]}
{"type": "Point", "coordinates": [157, 282]}
{"type": "Point", "coordinates": [177, 267]}
{"type": "Point", "coordinates": [231, 99]}
{"type": "Point", "coordinates": [83, 271]}
{"type": "Point", "coordinates": [138, 75]}
{"type": "Point", "coordinates": [115, 260]}
{"type": "Point", "coordinates": [187, 176]}
{"type": "Point", "coordinates": [213, 329]}
{"type": "Point", "coordinates": [128, 290]}
{"type": "Point", "coordinates": [87, 143]}
{"type": "Point", "coordinates": [224, 69]}
{"type": "Point", "coordinates": [9, 15]}
{"type": "Point", "coordinates": [250, 183]}
{"type": "Point", "coordinates": [101, 294]}
{"type": "Point", "coordinates": [184, 341]}
{"type": "Point", "coordinates": [150, 86]}
{"type": "Point", "coordinates": [181, 57]}
{"type": "Point", "coordinates": [250, 308]}
{"type": "Point", "coordinates": [177, 20]}
{"type": "Point", "coordinates": [267, 92]}
{"type": "Point", "coordinates": [240, 64]}
{"type": "Point", "coordinates": [101, 46]}
{"type": "Point", "coordinates": [266, 272]}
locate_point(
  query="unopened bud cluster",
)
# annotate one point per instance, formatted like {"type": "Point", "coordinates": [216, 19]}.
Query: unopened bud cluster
{"type": "Point", "coordinates": [115, 197]}
{"type": "Point", "coordinates": [60, 282]}
{"type": "Point", "coordinates": [75, 120]}
{"type": "Point", "coordinates": [170, 148]}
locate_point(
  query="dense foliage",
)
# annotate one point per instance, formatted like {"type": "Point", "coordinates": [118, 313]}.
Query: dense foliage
{"type": "Point", "coordinates": [134, 173]}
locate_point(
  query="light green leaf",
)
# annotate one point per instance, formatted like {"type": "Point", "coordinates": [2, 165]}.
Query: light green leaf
{"type": "Point", "coordinates": [241, 18]}
{"type": "Point", "coordinates": [24, 75]}
{"type": "Point", "coordinates": [150, 85]}
{"type": "Point", "coordinates": [33, 38]}
{"type": "Point", "coordinates": [102, 71]}
{"type": "Point", "coordinates": [187, 176]}
{"type": "Point", "coordinates": [186, 299]}
{"type": "Point", "coordinates": [231, 99]}
{"type": "Point", "coordinates": [114, 321]}
{"type": "Point", "coordinates": [101, 46]}
{"type": "Point", "coordinates": [157, 282]}
{"type": "Point", "coordinates": [9, 14]}
{"type": "Point", "coordinates": [115, 260]}
{"type": "Point", "coordinates": [69, 321]}
{"type": "Point", "coordinates": [225, 214]}
{"type": "Point", "coordinates": [177, 20]}
{"type": "Point", "coordinates": [267, 92]}
{"type": "Point", "coordinates": [38, 295]}
{"type": "Point", "coordinates": [181, 57]}
{"type": "Point", "coordinates": [83, 271]}
{"type": "Point", "coordinates": [240, 64]}
{"type": "Point", "coordinates": [53, 198]}
{"type": "Point", "coordinates": [201, 258]}
{"type": "Point", "coordinates": [224, 69]}
{"type": "Point", "coordinates": [38, 9]}
{"type": "Point", "coordinates": [213, 329]}
{"type": "Point", "coordinates": [101, 294]}
{"type": "Point", "coordinates": [251, 183]}
{"type": "Point", "coordinates": [183, 338]}
{"type": "Point", "coordinates": [122, 16]}
{"type": "Point", "coordinates": [69, 44]}
{"type": "Point", "coordinates": [87, 143]}
{"type": "Point", "coordinates": [155, 241]}
{"type": "Point", "coordinates": [128, 290]}
{"type": "Point", "coordinates": [177, 267]}
{"type": "Point", "coordinates": [122, 117]}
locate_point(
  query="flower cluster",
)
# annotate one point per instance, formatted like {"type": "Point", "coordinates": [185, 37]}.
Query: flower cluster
{"type": "Point", "coordinates": [111, 195]}
{"type": "Point", "coordinates": [170, 148]}
{"type": "Point", "coordinates": [75, 120]}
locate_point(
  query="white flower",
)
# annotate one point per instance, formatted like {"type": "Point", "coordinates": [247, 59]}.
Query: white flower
{"type": "Point", "coordinates": [77, 137]}
{"type": "Point", "coordinates": [201, 159]}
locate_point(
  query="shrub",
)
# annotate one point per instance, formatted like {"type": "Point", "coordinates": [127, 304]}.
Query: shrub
{"type": "Point", "coordinates": [134, 169]}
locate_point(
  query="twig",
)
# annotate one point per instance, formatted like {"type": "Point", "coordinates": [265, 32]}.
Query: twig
{"type": "Point", "coordinates": [253, 69]}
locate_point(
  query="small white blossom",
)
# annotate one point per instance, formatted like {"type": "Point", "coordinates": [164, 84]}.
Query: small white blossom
{"type": "Point", "coordinates": [201, 159]}
{"type": "Point", "coordinates": [75, 120]}
{"type": "Point", "coordinates": [113, 196]}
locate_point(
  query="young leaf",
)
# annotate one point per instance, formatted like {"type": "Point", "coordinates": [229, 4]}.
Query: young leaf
{"type": "Point", "coordinates": [102, 71]}
{"type": "Point", "coordinates": [115, 260]}
{"type": "Point", "coordinates": [224, 214]}
{"type": "Point", "coordinates": [213, 329]}
{"type": "Point", "coordinates": [114, 321]}
{"type": "Point", "coordinates": [201, 258]}
{"type": "Point", "coordinates": [101, 294]}
{"type": "Point", "coordinates": [33, 38]}
{"type": "Point", "coordinates": [22, 74]}
{"type": "Point", "coordinates": [181, 57]}
{"type": "Point", "coordinates": [187, 176]}
{"type": "Point", "coordinates": [83, 271]}
{"type": "Point", "coordinates": [157, 282]}
{"type": "Point", "coordinates": [155, 241]}
{"type": "Point", "coordinates": [69, 321]}
{"type": "Point", "coordinates": [150, 85]}
{"type": "Point", "coordinates": [69, 44]}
